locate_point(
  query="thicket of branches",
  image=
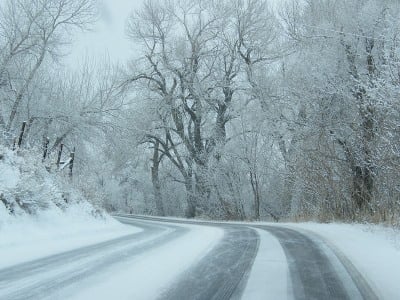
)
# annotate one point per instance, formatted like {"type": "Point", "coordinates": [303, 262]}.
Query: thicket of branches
{"type": "Point", "coordinates": [231, 109]}
{"type": "Point", "coordinates": [285, 113]}
{"type": "Point", "coordinates": [76, 108]}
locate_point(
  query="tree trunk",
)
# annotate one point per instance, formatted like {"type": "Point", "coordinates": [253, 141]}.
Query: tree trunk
{"type": "Point", "coordinates": [156, 180]}
{"type": "Point", "coordinates": [202, 190]}
{"type": "Point", "coordinates": [21, 93]}
{"type": "Point", "coordinates": [2, 122]}
{"type": "Point", "coordinates": [362, 187]}
{"type": "Point", "coordinates": [190, 199]}
{"type": "Point", "coordinates": [60, 139]}
{"type": "Point", "coordinates": [363, 176]}
{"type": "Point", "coordinates": [256, 194]}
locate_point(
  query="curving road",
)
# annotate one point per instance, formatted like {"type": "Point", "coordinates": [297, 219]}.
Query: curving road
{"type": "Point", "coordinates": [316, 269]}
{"type": "Point", "coordinates": [223, 272]}
{"type": "Point", "coordinates": [46, 276]}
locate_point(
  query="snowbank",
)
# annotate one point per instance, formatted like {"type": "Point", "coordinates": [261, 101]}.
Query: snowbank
{"type": "Point", "coordinates": [28, 237]}
{"type": "Point", "coordinates": [27, 187]}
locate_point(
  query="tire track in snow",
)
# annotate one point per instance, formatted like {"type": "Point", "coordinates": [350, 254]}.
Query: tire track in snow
{"type": "Point", "coordinates": [222, 274]}
{"type": "Point", "coordinates": [317, 270]}
{"type": "Point", "coordinates": [315, 273]}
{"type": "Point", "coordinates": [44, 277]}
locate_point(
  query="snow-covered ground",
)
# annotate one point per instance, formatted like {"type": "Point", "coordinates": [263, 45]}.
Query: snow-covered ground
{"type": "Point", "coordinates": [40, 215]}
{"type": "Point", "coordinates": [27, 237]}
{"type": "Point", "coordinates": [373, 250]}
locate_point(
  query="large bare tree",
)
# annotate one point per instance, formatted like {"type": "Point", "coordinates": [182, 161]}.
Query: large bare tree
{"type": "Point", "coordinates": [197, 56]}
{"type": "Point", "coordinates": [33, 32]}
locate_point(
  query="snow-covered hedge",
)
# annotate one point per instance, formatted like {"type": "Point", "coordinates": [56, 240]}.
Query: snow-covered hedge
{"type": "Point", "coordinates": [41, 213]}
{"type": "Point", "coordinates": [26, 187]}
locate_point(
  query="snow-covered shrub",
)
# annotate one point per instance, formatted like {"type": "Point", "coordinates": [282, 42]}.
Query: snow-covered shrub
{"type": "Point", "coordinates": [27, 187]}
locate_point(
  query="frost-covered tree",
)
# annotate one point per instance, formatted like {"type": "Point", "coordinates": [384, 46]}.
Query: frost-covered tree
{"type": "Point", "coordinates": [32, 34]}
{"type": "Point", "coordinates": [343, 77]}
{"type": "Point", "coordinates": [198, 58]}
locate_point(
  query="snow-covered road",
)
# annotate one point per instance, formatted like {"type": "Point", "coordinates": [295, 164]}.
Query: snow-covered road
{"type": "Point", "coordinates": [175, 259]}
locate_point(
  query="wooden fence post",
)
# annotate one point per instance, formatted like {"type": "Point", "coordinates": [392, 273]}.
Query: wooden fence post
{"type": "Point", "coordinates": [71, 162]}
{"type": "Point", "coordinates": [46, 147]}
{"type": "Point", "coordinates": [21, 135]}
{"type": "Point", "coordinates": [59, 155]}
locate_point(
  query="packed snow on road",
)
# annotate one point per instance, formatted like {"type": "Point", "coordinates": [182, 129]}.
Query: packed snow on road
{"type": "Point", "coordinates": [146, 258]}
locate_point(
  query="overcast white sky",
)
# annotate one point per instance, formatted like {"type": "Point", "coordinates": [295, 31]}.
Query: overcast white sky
{"type": "Point", "coordinates": [108, 36]}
